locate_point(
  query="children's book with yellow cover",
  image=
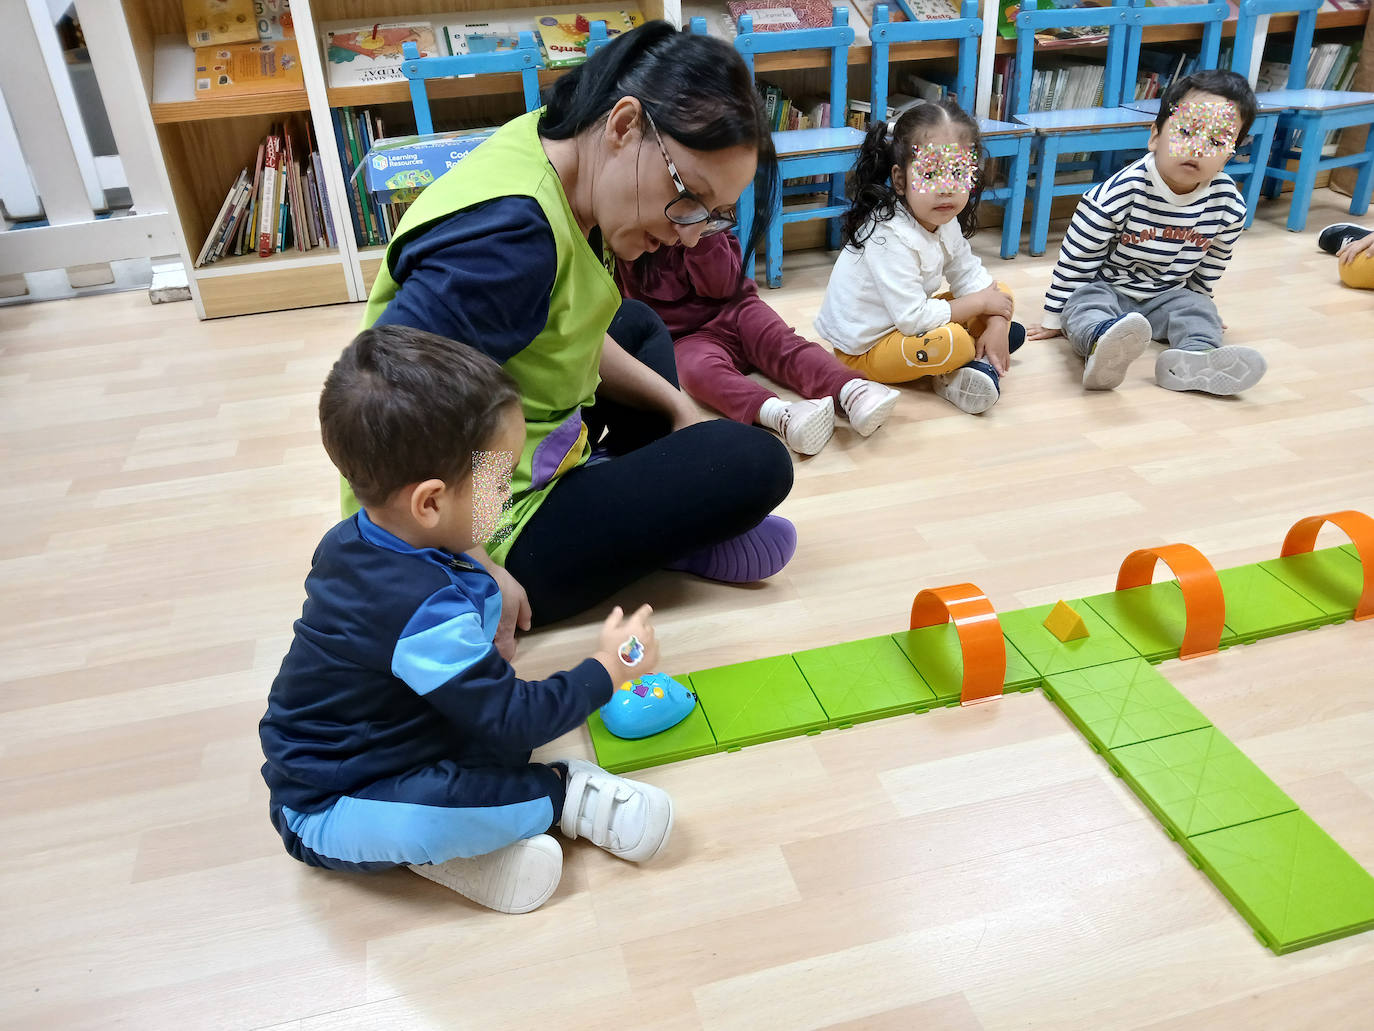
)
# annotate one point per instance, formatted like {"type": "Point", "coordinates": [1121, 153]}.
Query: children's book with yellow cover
{"type": "Point", "coordinates": [365, 55]}
{"type": "Point", "coordinates": [210, 22]}
{"type": "Point", "coordinates": [243, 68]}
{"type": "Point", "coordinates": [564, 33]}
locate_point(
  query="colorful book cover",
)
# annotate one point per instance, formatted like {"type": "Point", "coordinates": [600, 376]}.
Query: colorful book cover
{"type": "Point", "coordinates": [484, 37]}
{"type": "Point", "coordinates": [274, 19]}
{"type": "Point", "coordinates": [244, 68]}
{"type": "Point", "coordinates": [209, 22]}
{"type": "Point", "coordinates": [564, 35]}
{"type": "Point", "coordinates": [776, 15]}
{"type": "Point", "coordinates": [365, 55]}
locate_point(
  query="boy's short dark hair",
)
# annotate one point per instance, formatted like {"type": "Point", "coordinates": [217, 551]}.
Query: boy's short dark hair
{"type": "Point", "coordinates": [402, 405]}
{"type": "Point", "coordinates": [1218, 82]}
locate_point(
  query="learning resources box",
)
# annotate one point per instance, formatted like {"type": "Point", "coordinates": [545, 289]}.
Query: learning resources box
{"type": "Point", "coordinates": [396, 170]}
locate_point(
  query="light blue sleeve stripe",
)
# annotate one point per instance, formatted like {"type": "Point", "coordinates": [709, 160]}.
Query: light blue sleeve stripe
{"type": "Point", "coordinates": [367, 830]}
{"type": "Point", "coordinates": [430, 657]}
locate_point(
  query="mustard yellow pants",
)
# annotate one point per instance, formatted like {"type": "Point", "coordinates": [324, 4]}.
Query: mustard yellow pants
{"type": "Point", "coordinates": [898, 358]}
{"type": "Point", "coordinates": [1360, 272]}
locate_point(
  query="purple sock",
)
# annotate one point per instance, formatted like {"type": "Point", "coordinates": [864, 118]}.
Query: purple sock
{"type": "Point", "coordinates": [754, 555]}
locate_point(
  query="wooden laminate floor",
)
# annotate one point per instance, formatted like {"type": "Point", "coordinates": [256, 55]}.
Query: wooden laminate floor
{"type": "Point", "coordinates": [163, 490]}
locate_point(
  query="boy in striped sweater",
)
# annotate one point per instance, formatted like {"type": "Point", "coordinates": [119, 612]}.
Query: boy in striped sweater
{"type": "Point", "coordinates": [1145, 250]}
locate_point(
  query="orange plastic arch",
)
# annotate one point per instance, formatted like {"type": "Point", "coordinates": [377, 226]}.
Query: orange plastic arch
{"type": "Point", "coordinates": [1204, 604]}
{"type": "Point", "coordinates": [1302, 537]}
{"type": "Point", "coordinates": [980, 636]}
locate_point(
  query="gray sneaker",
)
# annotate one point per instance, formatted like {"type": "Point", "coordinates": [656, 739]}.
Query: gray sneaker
{"type": "Point", "coordinates": [1222, 370]}
{"type": "Point", "coordinates": [1118, 343]}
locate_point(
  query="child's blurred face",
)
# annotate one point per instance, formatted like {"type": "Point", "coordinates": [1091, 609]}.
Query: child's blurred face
{"type": "Point", "coordinates": [1196, 142]}
{"type": "Point", "coordinates": [474, 505]}
{"type": "Point", "coordinates": [938, 176]}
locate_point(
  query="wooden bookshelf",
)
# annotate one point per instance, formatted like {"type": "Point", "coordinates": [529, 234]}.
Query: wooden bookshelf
{"type": "Point", "coordinates": [174, 99]}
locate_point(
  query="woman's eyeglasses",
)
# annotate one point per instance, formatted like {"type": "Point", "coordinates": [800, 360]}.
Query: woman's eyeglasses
{"type": "Point", "coordinates": [686, 209]}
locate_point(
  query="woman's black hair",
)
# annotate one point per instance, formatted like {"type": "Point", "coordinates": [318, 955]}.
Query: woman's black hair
{"type": "Point", "coordinates": [871, 194]}
{"type": "Point", "coordinates": [1219, 83]}
{"type": "Point", "coordinates": [697, 89]}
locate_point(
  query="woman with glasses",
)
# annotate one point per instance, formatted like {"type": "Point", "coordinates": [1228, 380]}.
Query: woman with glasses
{"type": "Point", "coordinates": [722, 331]}
{"type": "Point", "coordinates": [511, 252]}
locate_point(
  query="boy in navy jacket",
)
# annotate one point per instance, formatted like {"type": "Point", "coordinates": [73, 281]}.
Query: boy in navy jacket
{"type": "Point", "coordinates": [395, 733]}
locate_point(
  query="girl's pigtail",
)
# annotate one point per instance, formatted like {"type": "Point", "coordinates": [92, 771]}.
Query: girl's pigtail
{"type": "Point", "coordinates": [872, 199]}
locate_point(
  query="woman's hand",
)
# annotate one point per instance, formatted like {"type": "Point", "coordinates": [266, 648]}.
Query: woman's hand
{"type": "Point", "coordinates": [1036, 331]}
{"type": "Point", "coordinates": [993, 346]}
{"type": "Point", "coordinates": [515, 604]}
{"type": "Point", "coordinates": [1352, 250]}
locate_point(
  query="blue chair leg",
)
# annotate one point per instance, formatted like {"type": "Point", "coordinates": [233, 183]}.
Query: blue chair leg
{"type": "Point", "coordinates": [832, 232]}
{"type": "Point", "coordinates": [1013, 212]}
{"type": "Point", "coordinates": [1044, 194]}
{"type": "Point", "coordinates": [1364, 182]}
{"type": "Point", "coordinates": [745, 225]}
{"type": "Point", "coordinates": [1278, 158]}
{"type": "Point", "coordinates": [773, 251]}
{"type": "Point", "coordinates": [1305, 181]}
{"type": "Point", "coordinates": [1261, 145]}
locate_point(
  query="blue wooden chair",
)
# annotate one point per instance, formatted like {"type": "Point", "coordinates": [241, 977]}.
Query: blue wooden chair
{"type": "Point", "coordinates": [1211, 16]}
{"type": "Point", "coordinates": [804, 153]}
{"type": "Point", "coordinates": [525, 59]}
{"type": "Point", "coordinates": [1312, 112]}
{"type": "Point", "coordinates": [1103, 131]}
{"type": "Point", "coordinates": [1009, 140]}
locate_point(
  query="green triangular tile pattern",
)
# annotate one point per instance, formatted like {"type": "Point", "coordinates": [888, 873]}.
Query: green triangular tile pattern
{"type": "Point", "coordinates": [1123, 703]}
{"type": "Point", "coordinates": [762, 700]}
{"type": "Point", "coordinates": [864, 680]}
{"type": "Point", "coordinates": [1260, 605]}
{"type": "Point", "coordinates": [689, 739]}
{"type": "Point", "coordinates": [1295, 885]}
{"type": "Point", "coordinates": [1046, 654]}
{"type": "Point", "coordinates": [935, 652]}
{"type": "Point", "coordinates": [1330, 579]}
{"type": "Point", "coordinates": [1198, 781]}
{"type": "Point", "coordinates": [1152, 618]}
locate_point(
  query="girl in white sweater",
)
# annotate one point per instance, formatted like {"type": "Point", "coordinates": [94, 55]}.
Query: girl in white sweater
{"type": "Point", "coordinates": [914, 203]}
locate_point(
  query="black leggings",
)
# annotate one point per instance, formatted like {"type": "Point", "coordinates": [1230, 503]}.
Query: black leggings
{"type": "Point", "coordinates": [659, 497]}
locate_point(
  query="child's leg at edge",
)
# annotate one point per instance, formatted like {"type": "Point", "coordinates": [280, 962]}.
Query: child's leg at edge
{"type": "Point", "coordinates": [770, 345]}
{"type": "Point", "coordinates": [428, 815]}
{"type": "Point", "coordinates": [1086, 310]}
{"type": "Point", "coordinates": [1359, 273]}
{"type": "Point", "coordinates": [710, 369]}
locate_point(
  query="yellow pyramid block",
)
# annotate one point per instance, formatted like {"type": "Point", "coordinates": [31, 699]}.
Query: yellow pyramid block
{"type": "Point", "coordinates": [1065, 623]}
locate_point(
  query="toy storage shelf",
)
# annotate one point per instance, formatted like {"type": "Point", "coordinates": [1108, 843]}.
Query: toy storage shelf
{"type": "Point", "coordinates": [174, 99]}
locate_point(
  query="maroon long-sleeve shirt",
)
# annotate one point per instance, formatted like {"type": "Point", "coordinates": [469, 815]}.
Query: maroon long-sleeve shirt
{"type": "Point", "coordinates": [688, 286]}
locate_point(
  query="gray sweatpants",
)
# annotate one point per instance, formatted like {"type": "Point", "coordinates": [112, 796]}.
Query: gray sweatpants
{"type": "Point", "coordinates": [1181, 317]}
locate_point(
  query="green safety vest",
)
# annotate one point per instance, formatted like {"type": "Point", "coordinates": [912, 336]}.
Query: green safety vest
{"type": "Point", "coordinates": [558, 372]}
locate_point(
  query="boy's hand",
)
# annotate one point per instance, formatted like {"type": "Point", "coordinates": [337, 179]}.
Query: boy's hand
{"type": "Point", "coordinates": [1035, 331]}
{"type": "Point", "coordinates": [994, 348]}
{"type": "Point", "coordinates": [615, 632]}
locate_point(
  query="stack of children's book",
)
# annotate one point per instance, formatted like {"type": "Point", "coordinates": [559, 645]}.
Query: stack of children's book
{"type": "Point", "coordinates": [371, 53]}
{"type": "Point", "coordinates": [354, 131]}
{"type": "Point", "coordinates": [278, 205]}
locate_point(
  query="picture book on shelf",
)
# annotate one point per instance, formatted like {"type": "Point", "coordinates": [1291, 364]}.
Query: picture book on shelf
{"type": "Point", "coordinates": [240, 69]}
{"type": "Point", "coordinates": [209, 22]}
{"type": "Point", "coordinates": [365, 55]}
{"type": "Point", "coordinates": [564, 35]}
{"type": "Point", "coordinates": [484, 37]}
{"type": "Point", "coordinates": [274, 19]}
{"type": "Point", "coordinates": [776, 15]}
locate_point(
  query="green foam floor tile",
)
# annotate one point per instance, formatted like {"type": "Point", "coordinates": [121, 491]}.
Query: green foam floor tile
{"type": "Point", "coordinates": [935, 652]}
{"type": "Point", "coordinates": [1151, 618]}
{"type": "Point", "coordinates": [762, 700]}
{"type": "Point", "coordinates": [1123, 703]}
{"type": "Point", "coordinates": [1046, 654]}
{"type": "Point", "coordinates": [689, 739]}
{"type": "Point", "coordinates": [1294, 885]}
{"type": "Point", "coordinates": [1198, 782]}
{"type": "Point", "coordinates": [1260, 605]}
{"type": "Point", "coordinates": [864, 680]}
{"type": "Point", "coordinates": [1331, 579]}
